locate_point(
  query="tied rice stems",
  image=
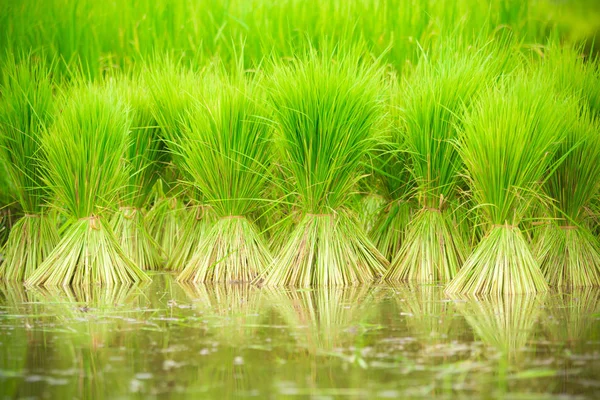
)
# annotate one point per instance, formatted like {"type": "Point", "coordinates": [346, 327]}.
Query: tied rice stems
{"type": "Point", "coordinates": [145, 155]}
{"type": "Point", "coordinates": [567, 250]}
{"type": "Point", "coordinates": [164, 220]}
{"type": "Point", "coordinates": [326, 108]}
{"type": "Point", "coordinates": [226, 153]}
{"type": "Point", "coordinates": [26, 108]}
{"type": "Point", "coordinates": [507, 144]}
{"type": "Point", "coordinates": [175, 91]}
{"type": "Point", "coordinates": [84, 153]}
{"type": "Point", "coordinates": [432, 101]}
{"type": "Point", "coordinates": [395, 184]}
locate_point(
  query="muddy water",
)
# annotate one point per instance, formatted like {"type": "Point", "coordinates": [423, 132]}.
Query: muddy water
{"type": "Point", "coordinates": [167, 341]}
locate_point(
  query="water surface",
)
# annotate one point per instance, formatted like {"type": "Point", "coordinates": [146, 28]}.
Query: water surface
{"type": "Point", "coordinates": [166, 340]}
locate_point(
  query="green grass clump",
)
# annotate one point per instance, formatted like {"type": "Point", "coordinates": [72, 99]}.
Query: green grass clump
{"type": "Point", "coordinates": [326, 107]}
{"type": "Point", "coordinates": [84, 158]}
{"type": "Point", "coordinates": [567, 250]}
{"type": "Point", "coordinates": [227, 153]}
{"type": "Point", "coordinates": [431, 104]}
{"type": "Point", "coordinates": [145, 155]}
{"type": "Point", "coordinates": [26, 108]}
{"type": "Point", "coordinates": [507, 145]}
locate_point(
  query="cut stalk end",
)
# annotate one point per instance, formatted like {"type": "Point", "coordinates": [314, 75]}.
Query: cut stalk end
{"type": "Point", "coordinates": [501, 263]}
{"type": "Point", "coordinates": [326, 250]}
{"type": "Point", "coordinates": [569, 257]}
{"type": "Point", "coordinates": [30, 241]}
{"type": "Point", "coordinates": [432, 250]}
{"type": "Point", "coordinates": [231, 251]}
{"type": "Point", "coordinates": [87, 254]}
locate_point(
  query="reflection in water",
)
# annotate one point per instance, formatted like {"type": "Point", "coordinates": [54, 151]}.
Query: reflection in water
{"type": "Point", "coordinates": [428, 312]}
{"type": "Point", "coordinates": [325, 318]}
{"type": "Point", "coordinates": [504, 322]}
{"type": "Point", "coordinates": [568, 314]}
{"type": "Point", "coordinates": [170, 341]}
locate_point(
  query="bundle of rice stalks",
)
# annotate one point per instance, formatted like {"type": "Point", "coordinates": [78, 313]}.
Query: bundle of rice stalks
{"type": "Point", "coordinates": [567, 250]}
{"type": "Point", "coordinates": [26, 108]}
{"type": "Point", "coordinates": [7, 203]}
{"type": "Point", "coordinates": [507, 144]}
{"type": "Point", "coordinates": [165, 216]}
{"type": "Point", "coordinates": [394, 183]}
{"type": "Point", "coordinates": [326, 111]}
{"type": "Point", "coordinates": [227, 154]}
{"type": "Point", "coordinates": [175, 90]}
{"type": "Point", "coordinates": [432, 101]}
{"type": "Point", "coordinates": [145, 155]}
{"type": "Point", "coordinates": [504, 322]}
{"type": "Point", "coordinates": [84, 152]}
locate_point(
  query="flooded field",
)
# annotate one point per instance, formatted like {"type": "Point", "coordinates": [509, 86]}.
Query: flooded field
{"type": "Point", "coordinates": [165, 340]}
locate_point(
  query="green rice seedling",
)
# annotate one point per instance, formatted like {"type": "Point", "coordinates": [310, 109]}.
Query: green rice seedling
{"type": "Point", "coordinates": [507, 144]}
{"type": "Point", "coordinates": [145, 155]}
{"type": "Point", "coordinates": [432, 100]}
{"type": "Point", "coordinates": [396, 210]}
{"type": "Point", "coordinates": [7, 201]}
{"type": "Point", "coordinates": [164, 218]}
{"type": "Point", "coordinates": [394, 184]}
{"type": "Point", "coordinates": [175, 90]}
{"type": "Point", "coordinates": [567, 250]}
{"type": "Point", "coordinates": [573, 74]}
{"type": "Point", "coordinates": [84, 159]}
{"type": "Point", "coordinates": [326, 108]}
{"type": "Point", "coordinates": [26, 108]}
{"type": "Point", "coordinates": [227, 154]}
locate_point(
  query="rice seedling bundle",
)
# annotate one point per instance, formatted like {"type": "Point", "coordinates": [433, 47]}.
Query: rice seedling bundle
{"type": "Point", "coordinates": [6, 203]}
{"type": "Point", "coordinates": [395, 185]}
{"type": "Point", "coordinates": [433, 99]}
{"type": "Point", "coordinates": [145, 156]}
{"type": "Point", "coordinates": [507, 144]}
{"type": "Point", "coordinates": [181, 209]}
{"type": "Point", "coordinates": [84, 158]}
{"type": "Point", "coordinates": [226, 152]}
{"type": "Point", "coordinates": [326, 111]}
{"type": "Point", "coordinates": [26, 108]}
{"type": "Point", "coordinates": [567, 250]}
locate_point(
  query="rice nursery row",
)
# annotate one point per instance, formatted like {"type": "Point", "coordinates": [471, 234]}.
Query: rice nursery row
{"type": "Point", "coordinates": [462, 158]}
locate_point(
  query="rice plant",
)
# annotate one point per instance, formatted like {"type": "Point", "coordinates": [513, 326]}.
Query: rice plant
{"type": "Point", "coordinates": [326, 108]}
{"type": "Point", "coordinates": [395, 185]}
{"type": "Point", "coordinates": [26, 108]}
{"type": "Point", "coordinates": [507, 144]}
{"type": "Point", "coordinates": [432, 101]}
{"type": "Point", "coordinates": [174, 90]}
{"type": "Point", "coordinates": [85, 170]}
{"type": "Point", "coordinates": [226, 152]}
{"type": "Point", "coordinates": [145, 155]}
{"type": "Point", "coordinates": [567, 250]}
